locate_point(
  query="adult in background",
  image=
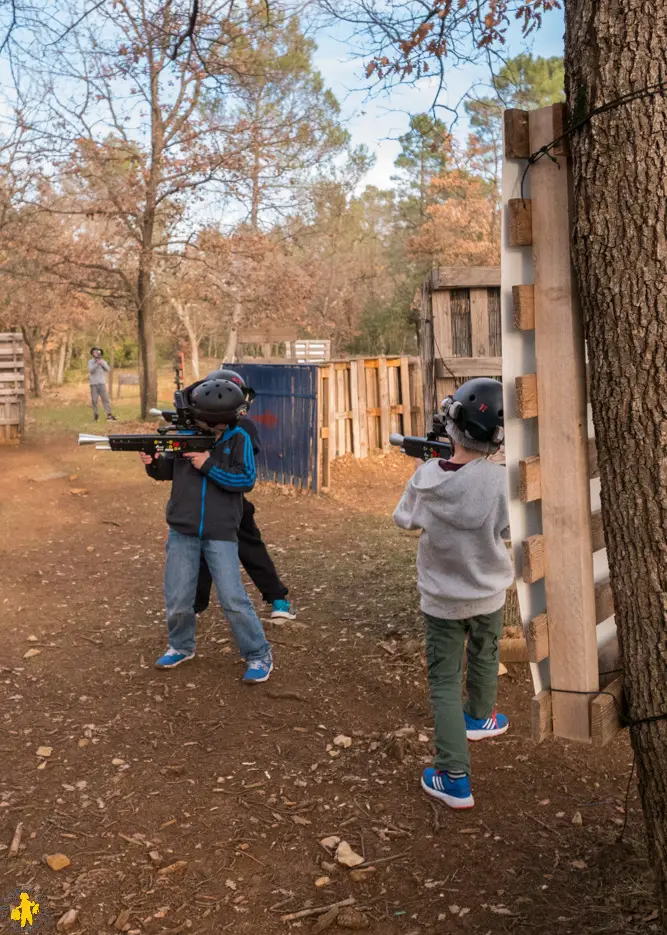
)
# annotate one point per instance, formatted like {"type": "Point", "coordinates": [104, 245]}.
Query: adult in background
{"type": "Point", "coordinates": [97, 376]}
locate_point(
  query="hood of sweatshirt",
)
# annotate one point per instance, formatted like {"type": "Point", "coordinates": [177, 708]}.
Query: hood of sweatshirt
{"type": "Point", "coordinates": [462, 498]}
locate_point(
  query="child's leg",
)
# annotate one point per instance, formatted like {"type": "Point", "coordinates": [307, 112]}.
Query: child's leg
{"type": "Point", "coordinates": [445, 641]}
{"type": "Point", "coordinates": [204, 584]}
{"type": "Point", "coordinates": [256, 559]}
{"type": "Point", "coordinates": [180, 583]}
{"type": "Point", "coordinates": [222, 559]}
{"type": "Point", "coordinates": [482, 681]}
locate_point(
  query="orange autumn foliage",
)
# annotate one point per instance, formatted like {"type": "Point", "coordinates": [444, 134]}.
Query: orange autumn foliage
{"type": "Point", "coordinates": [462, 224]}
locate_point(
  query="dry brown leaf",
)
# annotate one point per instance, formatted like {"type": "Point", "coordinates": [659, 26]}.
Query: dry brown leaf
{"type": "Point", "coordinates": [58, 861]}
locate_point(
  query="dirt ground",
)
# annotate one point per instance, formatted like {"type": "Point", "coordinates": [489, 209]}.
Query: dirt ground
{"type": "Point", "coordinates": [187, 802]}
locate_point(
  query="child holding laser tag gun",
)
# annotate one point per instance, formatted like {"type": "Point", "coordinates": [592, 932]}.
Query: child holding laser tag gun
{"type": "Point", "coordinates": [204, 514]}
{"type": "Point", "coordinates": [463, 571]}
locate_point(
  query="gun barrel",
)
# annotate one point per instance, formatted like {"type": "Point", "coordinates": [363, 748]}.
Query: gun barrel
{"type": "Point", "coordinates": [396, 439]}
{"type": "Point", "coordinates": [93, 440]}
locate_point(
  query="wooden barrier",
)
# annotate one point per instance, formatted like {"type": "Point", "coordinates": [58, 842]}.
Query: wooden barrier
{"type": "Point", "coordinates": [362, 401]}
{"type": "Point", "coordinates": [126, 379]}
{"type": "Point", "coordinates": [12, 388]}
{"type": "Point", "coordinates": [460, 333]}
{"type": "Point", "coordinates": [562, 576]}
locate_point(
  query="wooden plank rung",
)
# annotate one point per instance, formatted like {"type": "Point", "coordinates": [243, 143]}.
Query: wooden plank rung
{"type": "Point", "coordinates": [526, 396]}
{"type": "Point", "coordinates": [530, 475]}
{"type": "Point", "coordinates": [604, 601]}
{"type": "Point", "coordinates": [523, 307]}
{"type": "Point", "coordinates": [605, 720]}
{"type": "Point", "coordinates": [520, 217]}
{"type": "Point", "coordinates": [537, 638]}
{"type": "Point", "coordinates": [533, 558]}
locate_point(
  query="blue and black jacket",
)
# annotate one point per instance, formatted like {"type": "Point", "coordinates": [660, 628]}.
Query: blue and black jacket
{"type": "Point", "coordinates": [209, 503]}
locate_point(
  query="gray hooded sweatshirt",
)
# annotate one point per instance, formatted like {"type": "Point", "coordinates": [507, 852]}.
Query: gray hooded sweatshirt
{"type": "Point", "coordinates": [463, 566]}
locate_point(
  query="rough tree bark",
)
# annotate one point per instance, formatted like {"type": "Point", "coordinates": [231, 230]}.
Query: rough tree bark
{"type": "Point", "coordinates": [620, 252]}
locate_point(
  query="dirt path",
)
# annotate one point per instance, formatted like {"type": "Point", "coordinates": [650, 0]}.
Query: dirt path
{"type": "Point", "coordinates": [231, 789]}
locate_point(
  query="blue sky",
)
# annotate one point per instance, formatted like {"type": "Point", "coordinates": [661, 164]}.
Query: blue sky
{"type": "Point", "coordinates": [379, 121]}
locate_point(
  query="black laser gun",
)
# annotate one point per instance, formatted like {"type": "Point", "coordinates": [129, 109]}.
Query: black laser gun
{"type": "Point", "coordinates": [423, 448]}
{"type": "Point", "coordinates": [180, 417]}
{"type": "Point", "coordinates": [177, 443]}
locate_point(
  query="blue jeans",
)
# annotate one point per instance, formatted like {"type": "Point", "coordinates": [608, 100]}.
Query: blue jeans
{"type": "Point", "coordinates": [180, 585]}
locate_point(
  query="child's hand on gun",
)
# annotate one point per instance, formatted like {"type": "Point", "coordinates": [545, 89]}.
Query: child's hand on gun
{"type": "Point", "coordinates": [148, 459]}
{"type": "Point", "coordinates": [196, 458]}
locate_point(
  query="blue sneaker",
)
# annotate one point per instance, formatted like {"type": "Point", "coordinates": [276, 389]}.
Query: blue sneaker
{"type": "Point", "coordinates": [282, 610]}
{"type": "Point", "coordinates": [173, 658]}
{"type": "Point", "coordinates": [493, 726]}
{"type": "Point", "coordinates": [453, 792]}
{"type": "Point", "coordinates": [258, 671]}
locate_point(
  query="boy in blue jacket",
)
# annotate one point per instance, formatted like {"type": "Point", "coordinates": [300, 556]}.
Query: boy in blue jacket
{"type": "Point", "coordinates": [463, 572]}
{"type": "Point", "coordinates": [203, 514]}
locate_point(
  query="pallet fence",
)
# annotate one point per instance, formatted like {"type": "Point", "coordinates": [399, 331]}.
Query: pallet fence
{"type": "Point", "coordinates": [12, 388]}
{"type": "Point", "coordinates": [362, 401]}
{"type": "Point", "coordinates": [558, 538]}
{"type": "Point", "coordinates": [460, 333]}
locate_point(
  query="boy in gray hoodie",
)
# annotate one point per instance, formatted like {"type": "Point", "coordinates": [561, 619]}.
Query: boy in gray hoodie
{"type": "Point", "coordinates": [463, 572]}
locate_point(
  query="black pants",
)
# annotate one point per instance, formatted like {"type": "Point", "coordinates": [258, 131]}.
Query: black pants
{"type": "Point", "coordinates": [254, 558]}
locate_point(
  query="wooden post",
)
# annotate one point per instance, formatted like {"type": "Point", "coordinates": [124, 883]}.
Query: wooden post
{"type": "Point", "coordinates": [479, 322]}
{"type": "Point", "coordinates": [340, 412]}
{"type": "Point", "coordinates": [418, 387]}
{"type": "Point", "coordinates": [405, 396]}
{"type": "Point", "coordinates": [332, 412]}
{"type": "Point", "coordinates": [363, 407]}
{"type": "Point", "coordinates": [356, 408]}
{"type": "Point", "coordinates": [566, 510]}
{"type": "Point", "coordinates": [383, 381]}
{"type": "Point", "coordinates": [323, 426]}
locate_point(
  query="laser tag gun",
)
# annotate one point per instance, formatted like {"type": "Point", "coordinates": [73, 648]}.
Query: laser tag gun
{"type": "Point", "coordinates": [422, 448]}
{"type": "Point", "coordinates": [181, 417]}
{"type": "Point", "coordinates": [171, 442]}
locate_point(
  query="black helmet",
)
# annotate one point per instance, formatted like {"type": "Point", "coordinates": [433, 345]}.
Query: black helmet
{"type": "Point", "coordinates": [225, 374]}
{"type": "Point", "coordinates": [476, 408]}
{"type": "Point", "coordinates": [217, 401]}
{"type": "Point", "coordinates": [96, 348]}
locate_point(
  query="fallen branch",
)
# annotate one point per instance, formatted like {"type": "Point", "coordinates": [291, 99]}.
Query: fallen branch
{"type": "Point", "coordinates": [383, 860]}
{"type": "Point", "coordinates": [14, 847]}
{"type": "Point", "coordinates": [284, 695]}
{"type": "Point", "coordinates": [318, 911]}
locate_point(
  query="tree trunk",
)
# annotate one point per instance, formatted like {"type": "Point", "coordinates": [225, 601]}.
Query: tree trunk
{"type": "Point", "coordinates": [35, 386]}
{"type": "Point", "coordinates": [619, 250]}
{"type": "Point", "coordinates": [49, 361]}
{"type": "Point", "coordinates": [183, 313]}
{"type": "Point", "coordinates": [232, 340]}
{"type": "Point", "coordinates": [146, 333]}
{"type": "Point", "coordinates": [62, 357]}
{"type": "Point", "coordinates": [69, 352]}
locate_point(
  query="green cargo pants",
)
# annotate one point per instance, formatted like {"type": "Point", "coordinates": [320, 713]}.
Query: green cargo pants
{"type": "Point", "coordinates": [445, 643]}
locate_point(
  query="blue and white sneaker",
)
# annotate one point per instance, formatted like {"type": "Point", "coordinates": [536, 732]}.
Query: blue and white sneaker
{"type": "Point", "coordinates": [493, 726]}
{"type": "Point", "coordinates": [282, 610]}
{"type": "Point", "coordinates": [453, 792]}
{"type": "Point", "coordinates": [173, 658]}
{"type": "Point", "coordinates": [258, 671]}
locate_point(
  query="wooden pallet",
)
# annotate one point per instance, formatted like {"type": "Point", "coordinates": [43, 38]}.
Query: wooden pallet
{"type": "Point", "coordinates": [563, 587]}
{"type": "Point", "coordinates": [12, 388]}
{"type": "Point", "coordinates": [362, 401]}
